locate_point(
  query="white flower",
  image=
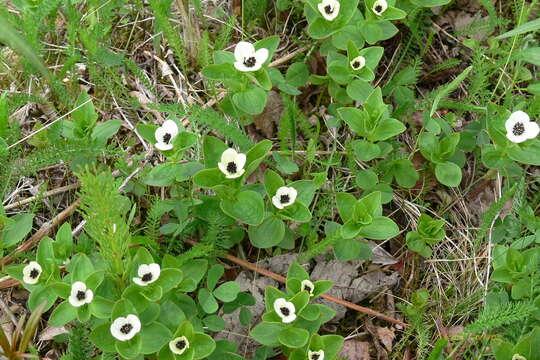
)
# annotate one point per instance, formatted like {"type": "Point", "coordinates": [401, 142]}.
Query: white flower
{"type": "Point", "coordinates": [31, 273]}
{"type": "Point", "coordinates": [148, 273]}
{"type": "Point", "coordinates": [379, 7]}
{"type": "Point", "coordinates": [165, 135]}
{"type": "Point", "coordinates": [285, 196]}
{"type": "Point", "coordinates": [125, 328]}
{"type": "Point", "coordinates": [247, 58]}
{"type": "Point", "coordinates": [232, 164]}
{"type": "Point", "coordinates": [179, 345]}
{"type": "Point", "coordinates": [358, 62]}
{"type": "Point", "coordinates": [80, 295]}
{"type": "Point", "coordinates": [520, 128]}
{"type": "Point", "coordinates": [329, 9]}
{"type": "Point", "coordinates": [518, 357]}
{"type": "Point", "coordinates": [285, 310]}
{"type": "Point", "coordinates": [316, 355]}
{"type": "Point", "coordinates": [308, 286]}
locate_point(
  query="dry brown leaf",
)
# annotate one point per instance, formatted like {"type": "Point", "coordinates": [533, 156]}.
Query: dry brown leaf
{"type": "Point", "coordinates": [386, 336]}
{"type": "Point", "coordinates": [355, 350]}
{"type": "Point", "coordinates": [51, 331]}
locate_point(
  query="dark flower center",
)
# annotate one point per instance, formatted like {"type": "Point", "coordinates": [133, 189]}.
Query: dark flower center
{"type": "Point", "coordinates": [308, 288]}
{"type": "Point", "coordinates": [180, 345]}
{"type": "Point", "coordinates": [284, 199]}
{"type": "Point", "coordinates": [315, 356]}
{"type": "Point", "coordinates": [378, 8]}
{"type": "Point", "coordinates": [518, 129]}
{"type": "Point", "coordinates": [328, 9]}
{"type": "Point", "coordinates": [147, 277]}
{"type": "Point", "coordinates": [356, 64]}
{"type": "Point", "coordinates": [125, 329]}
{"type": "Point", "coordinates": [81, 295]}
{"type": "Point", "coordinates": [34, 273]}
{"type": "Point", "coordinates": [167, 138]}
{"type": "Point", "coordinates": [231, 167]}
{"type": "Point", "coordinates": [285, 311]}
{"type": "Point", "coordinates": [250, 61]}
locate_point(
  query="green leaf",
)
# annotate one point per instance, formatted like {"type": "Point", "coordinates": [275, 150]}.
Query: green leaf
{"type": "Point", "coordinates": [214, 274]}
{"type": "Point", "coordinates": [345, 204]}
{"type": "Point", "coordinates": [17, 229]}
{"type": "Point", "coordinates": [297, 74]}
{"type": "Point", "coordinates": [267, 333]}
{"type": "Point", "coordinates": [105, 130]}
{"type": "Point", "coordinates": [251, 101]}
{"type": "Point", "coordinates": [248, 207]}
{"type": "Point", "coordinates": [63, 314]}
{"type": "Point", "coordinates": [293, 337]}
{"type": "Point", "coordinates": [430, 3]}
{"type": "Point", "coordinates": [203, 345]}
{"type": "Point", "coordinates": [213, 148]}
{"type": "Point", "coordinates": [228, 291]}
{"type": "Point", "coordinates": [256, 155]}
{"type": "Point", "coordinates": [448, 174]}
{"type": "Point", "coordinates": [272, 182]}
{"type": "Point", "coordinates": [381, 228]}
{"type": "Point", "coordinates": [219, 72]}
{"type": "Point", "coordinates": [208, 178]}
{"type": "Point", "coordinates": [269, 233]}
{"type": "Point", "coordinates": [102, 338]}
{"type": "Point", "coordinates": [207, 301]}
{"type": "Point", "coordinates": [153, 337]}
{"type": "Point", "coordinates": [448, 88]}
{"type": "Point", "coordinates": [532, 25]}
{"type": "Point", "coordinates": [365, 150]}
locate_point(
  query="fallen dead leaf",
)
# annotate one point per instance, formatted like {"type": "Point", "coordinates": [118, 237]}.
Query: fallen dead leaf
{"type": "Point", "coordinates": [355, 350]}
{"type": "Point", "coordinates": [51, 331]}
{"type": "Point", "coordinates": [386, 336]}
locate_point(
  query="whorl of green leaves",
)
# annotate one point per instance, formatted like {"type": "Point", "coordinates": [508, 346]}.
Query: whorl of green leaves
{"type": "Point", "coordinates": [499, 315]}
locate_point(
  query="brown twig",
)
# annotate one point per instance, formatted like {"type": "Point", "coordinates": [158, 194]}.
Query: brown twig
{"type": "Point", "coordinates": [52, 192]}
{"type": "Point", "coordinates": [281, 279]}
{"type": "Point", "coordinates": [41, 233]}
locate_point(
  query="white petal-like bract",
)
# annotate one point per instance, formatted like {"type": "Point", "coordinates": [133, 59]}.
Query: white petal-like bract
{"type": "Point", "coordinates": [285, 310]}
{"type": "Point", "coordinates": [165, 135]}
{"type": "Point", "coordinates": [316, 355]}
{"type": "Point", "coordinates": [148, 273]}
{"type": "Point", "coordinates": [379, 7]}
{"type": "Point", "coordinates": [232, 164]}
{"type": "Point", "coordinates": [247, 58]}
{"type": "Point", "coordinates": [125, 328]}
{"type": "Point", "coordinates": [31, 273]}
{"type": "Point", "coordinates": [308, 286]}
{"type": "Point", "coordinates": [80, 294]}
{"type": "Point", "coordinates": [285, 196]}
{"type": "Point", "coordinates": [358, 62]}
{"type": "Point", "coordinates": [520, 128]}
{"type": "Point", "coordinates": [179, 345]}
{"type": "Point", "coordinates": [329, 9]}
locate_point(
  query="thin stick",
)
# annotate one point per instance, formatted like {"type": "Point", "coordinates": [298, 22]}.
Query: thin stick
{"type": "Point", "coordinates": [281, 279]}
{"type": "Point", "coordinates": [47, 125]}
{"type": "Point", "coordinates": [41, 233]}
{"type": "Point", "coordinates": [52, 192]}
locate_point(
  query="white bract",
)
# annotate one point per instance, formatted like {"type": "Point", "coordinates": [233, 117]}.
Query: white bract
{"type": "Point", "coordinates": [520, 128]}
{"type": "Point", "coordinates": [165, 135]}
{"type": "Point", "coordinates": [308, 286]}
{"type": "Point", "coordinates": [379, 7]}
{"type": "Point", "coordinates": [148, 273]}
{"type": "Point", "coordinates": [316, 355]}
{"type": "Point", "coordinates": [31, 273]}
{"type": "Point", "coordinates": [285, 196]}
{"type": "Point", "coordinates": [80, 294]}
{"type": "Point", "coordinates": [518, 357]}
{"type": "Point", "coordinates": [358, 62]}
{"type": "Point", "coordinates": [232, 164]}
{"type": "Point", "coordinates": [247, 58]}
{"type": "Point", "coordinates": [179, 345]}
{"type": "Point", "coordinates": [285, 310]}
{"type": "Point", "coordinates": [329, 9]}
{"type": "Point", "coordinates": [125, 328]}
